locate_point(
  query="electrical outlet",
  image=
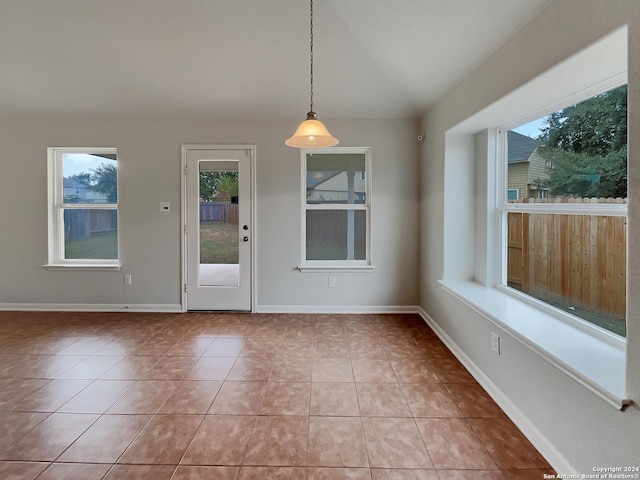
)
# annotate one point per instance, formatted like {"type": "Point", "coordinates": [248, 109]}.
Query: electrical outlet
{"type": "Point", "coordinates": [127, 279]}
{"type": "Point", "coordinates": [332, 282]}
{"type": "Point", "coordinates": [495, 343]}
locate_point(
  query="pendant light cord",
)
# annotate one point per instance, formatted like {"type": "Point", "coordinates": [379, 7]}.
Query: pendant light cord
{"type": "Point", "coordinates": [311, 54]}
{"type": "Point", "coordinates": [311, 133]}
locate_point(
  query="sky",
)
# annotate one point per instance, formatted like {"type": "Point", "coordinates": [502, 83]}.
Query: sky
{"type": "Point", "coordinates": [531, 129]}
{"type": "Point", "coordinates": [75, 163]}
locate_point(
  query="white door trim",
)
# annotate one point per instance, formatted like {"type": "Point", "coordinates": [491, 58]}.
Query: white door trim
{"type": "Point", "coordinates": [183, 216]}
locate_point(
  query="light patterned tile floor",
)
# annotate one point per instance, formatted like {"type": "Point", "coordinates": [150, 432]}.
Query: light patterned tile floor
{"type": "Point", "coordinates": [245, 396]}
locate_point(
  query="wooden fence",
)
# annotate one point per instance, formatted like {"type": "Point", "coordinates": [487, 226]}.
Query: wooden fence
{"type": "Point", "coordinates": [80, 224]}
{"type": "Point", "coordinates": [219, 212]}
{"type": "Point", "coordinates": [327, 233]}
{"type": "Point", "coordinates": [577, 260]}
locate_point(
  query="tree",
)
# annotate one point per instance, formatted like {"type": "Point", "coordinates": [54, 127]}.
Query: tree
{"type": "Point", "coordinates": [580, 175]}
{"type": "Point", "coordinates": [597, 126]}
{"type": "Point", "coordinates": [104, 179]}
{"type": "Point", "coordinates": [208, 185]}
{"type": "Point", "coordinates": [213, 184]}
{"type": "Point", "coordinates": [228, 183]}
{"type": "Point", "coordinates": [585, 146]}
{"type": "Point", "coordinates": [613, 174]}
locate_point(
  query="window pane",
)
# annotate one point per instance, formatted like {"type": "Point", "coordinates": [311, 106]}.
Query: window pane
{"type": "Point", "coordinates": [219, 231]}
{"type": "Point", "coordinates": [576, 263]}
{"type": "Point", "coordinates": [336, 178]}
{"type": "Point", "coordinates": [90, 234]}
{"type": "Point", "coordinates": [90, 178]}
{"type": "Point", "coordinates": [219, 223]}
{"type": "Point", "coordinates": [336, 235]}
{"type": "Point", "coordinates": [577, 152]}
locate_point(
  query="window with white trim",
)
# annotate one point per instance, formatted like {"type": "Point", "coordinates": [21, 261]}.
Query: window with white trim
{"type": "Point", "coordinates": [83, 207]}
{"type": "Point", "coordinates": [567, 248]}
{"type": "Point", "coordinates": [336, 220]}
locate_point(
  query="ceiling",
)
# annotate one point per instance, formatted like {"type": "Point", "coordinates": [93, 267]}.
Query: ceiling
{"type": "Point", "coordinates": [241, 59]}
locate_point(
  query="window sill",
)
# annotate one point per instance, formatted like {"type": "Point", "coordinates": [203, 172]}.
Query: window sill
{"type": "Point", "coordinates": [593, 362]}
{"type": "Point", "coordinates": [84, 266]}
{"type": "Point", "coordinates": [335, 268]}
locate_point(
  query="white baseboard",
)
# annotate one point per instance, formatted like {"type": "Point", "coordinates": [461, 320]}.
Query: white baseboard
{"type": "Point", "coordinates": [354, 309]}
{"type": "Point", "coordinates": [551, 454]}
{"type": "Point", "coordinates": [91, 307]}
{"type": "Point", "coordinates": [177, 308]}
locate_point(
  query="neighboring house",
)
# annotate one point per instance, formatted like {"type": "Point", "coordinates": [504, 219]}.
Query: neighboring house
{"type": "Point", "coordinates": [333, 186]}
{"type": "Point", "coordinates": [81, 193]}
{"type": "Point", "coordinates": [526, 165]}
{"type": "Point", "coordinates": [73, 189]}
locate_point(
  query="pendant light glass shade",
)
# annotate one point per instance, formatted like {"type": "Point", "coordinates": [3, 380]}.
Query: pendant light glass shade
{"type": "Point", "coordinates": [312, 133]}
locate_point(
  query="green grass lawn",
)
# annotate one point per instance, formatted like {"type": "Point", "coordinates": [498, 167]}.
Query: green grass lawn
{"type": "Point", "coordinates": [97, 247]}
{"type": "Point", "coordinates": [219, 243]}
{"type": "Point", "coordinates": [602, 319]}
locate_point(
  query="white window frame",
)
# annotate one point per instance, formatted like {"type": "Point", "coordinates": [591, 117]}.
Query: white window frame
{"type": "Point", "coordinates": [504, 208]}
{"type": "Point", "coordinates": [335, 265]}
{"type": "Point", "coordinates": [56, 207]}
{"type": "Point", "coordinates": [517, 190]}
{"type": "Point", "coordinates": [595, 360]}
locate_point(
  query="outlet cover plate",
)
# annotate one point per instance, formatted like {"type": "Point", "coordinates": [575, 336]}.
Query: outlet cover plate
{"type": "Point", "coordinates": [495, 342]}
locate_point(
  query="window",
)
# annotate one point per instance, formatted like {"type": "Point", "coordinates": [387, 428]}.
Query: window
{"type": "Point", "coordinates": [336, 208]}
{"type": "Point", "coordinates": [512, 194]}
{"type": "Point", "coordinates": [83, 207]}
{"type": "Point", "coordinates": [475, 197]}
{"type": "Point", "coordinates": [566, 246]}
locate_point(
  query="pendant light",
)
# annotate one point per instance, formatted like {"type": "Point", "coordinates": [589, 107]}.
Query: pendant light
{"type": "Point", "coordinates": [311, 133]}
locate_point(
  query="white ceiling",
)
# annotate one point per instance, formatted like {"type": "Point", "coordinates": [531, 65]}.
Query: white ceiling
{"type": "Point", "coordinates": [240, 59]}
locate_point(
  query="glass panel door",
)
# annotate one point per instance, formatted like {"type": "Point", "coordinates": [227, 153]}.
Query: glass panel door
{"type": "Point", "coordinates": [219, 225]}
{"type": "Point", "coordinates": [218, 236]}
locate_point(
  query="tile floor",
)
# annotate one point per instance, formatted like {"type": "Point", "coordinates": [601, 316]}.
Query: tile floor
{"type": "Point", "coordinates": [193, 396]}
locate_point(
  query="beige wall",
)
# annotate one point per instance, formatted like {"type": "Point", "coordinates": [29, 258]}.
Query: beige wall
{"type": "Point", "coordinates": [149, 156]}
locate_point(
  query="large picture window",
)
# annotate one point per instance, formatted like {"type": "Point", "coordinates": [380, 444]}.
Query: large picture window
{"type": "Point", "coordinates": [564, 238]}
{"type": "Point", "coordinates": [83, 207]}
{"type": "Point", "coordinates": [336, 207]}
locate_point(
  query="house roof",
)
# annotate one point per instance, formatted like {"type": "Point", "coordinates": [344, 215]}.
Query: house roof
{"type": "Point", "coordinates": [520, 147]}
{"type": "Point", "coordinates": [244, 58]}
{"type": "Point", "coordinates": [71, 183]}
{"type": "Point", "coordinates": [314, 179]}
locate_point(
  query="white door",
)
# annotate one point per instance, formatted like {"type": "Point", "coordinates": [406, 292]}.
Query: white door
{"type": "Point", "coordinates": [218, 229]}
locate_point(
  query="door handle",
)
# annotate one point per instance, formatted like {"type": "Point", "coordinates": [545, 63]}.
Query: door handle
{"type": "Point", "coordinates": [246, 239]}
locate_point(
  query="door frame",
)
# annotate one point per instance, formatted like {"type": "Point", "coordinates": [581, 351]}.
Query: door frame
{"type": "Point", "coordinates": [185, 148]}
